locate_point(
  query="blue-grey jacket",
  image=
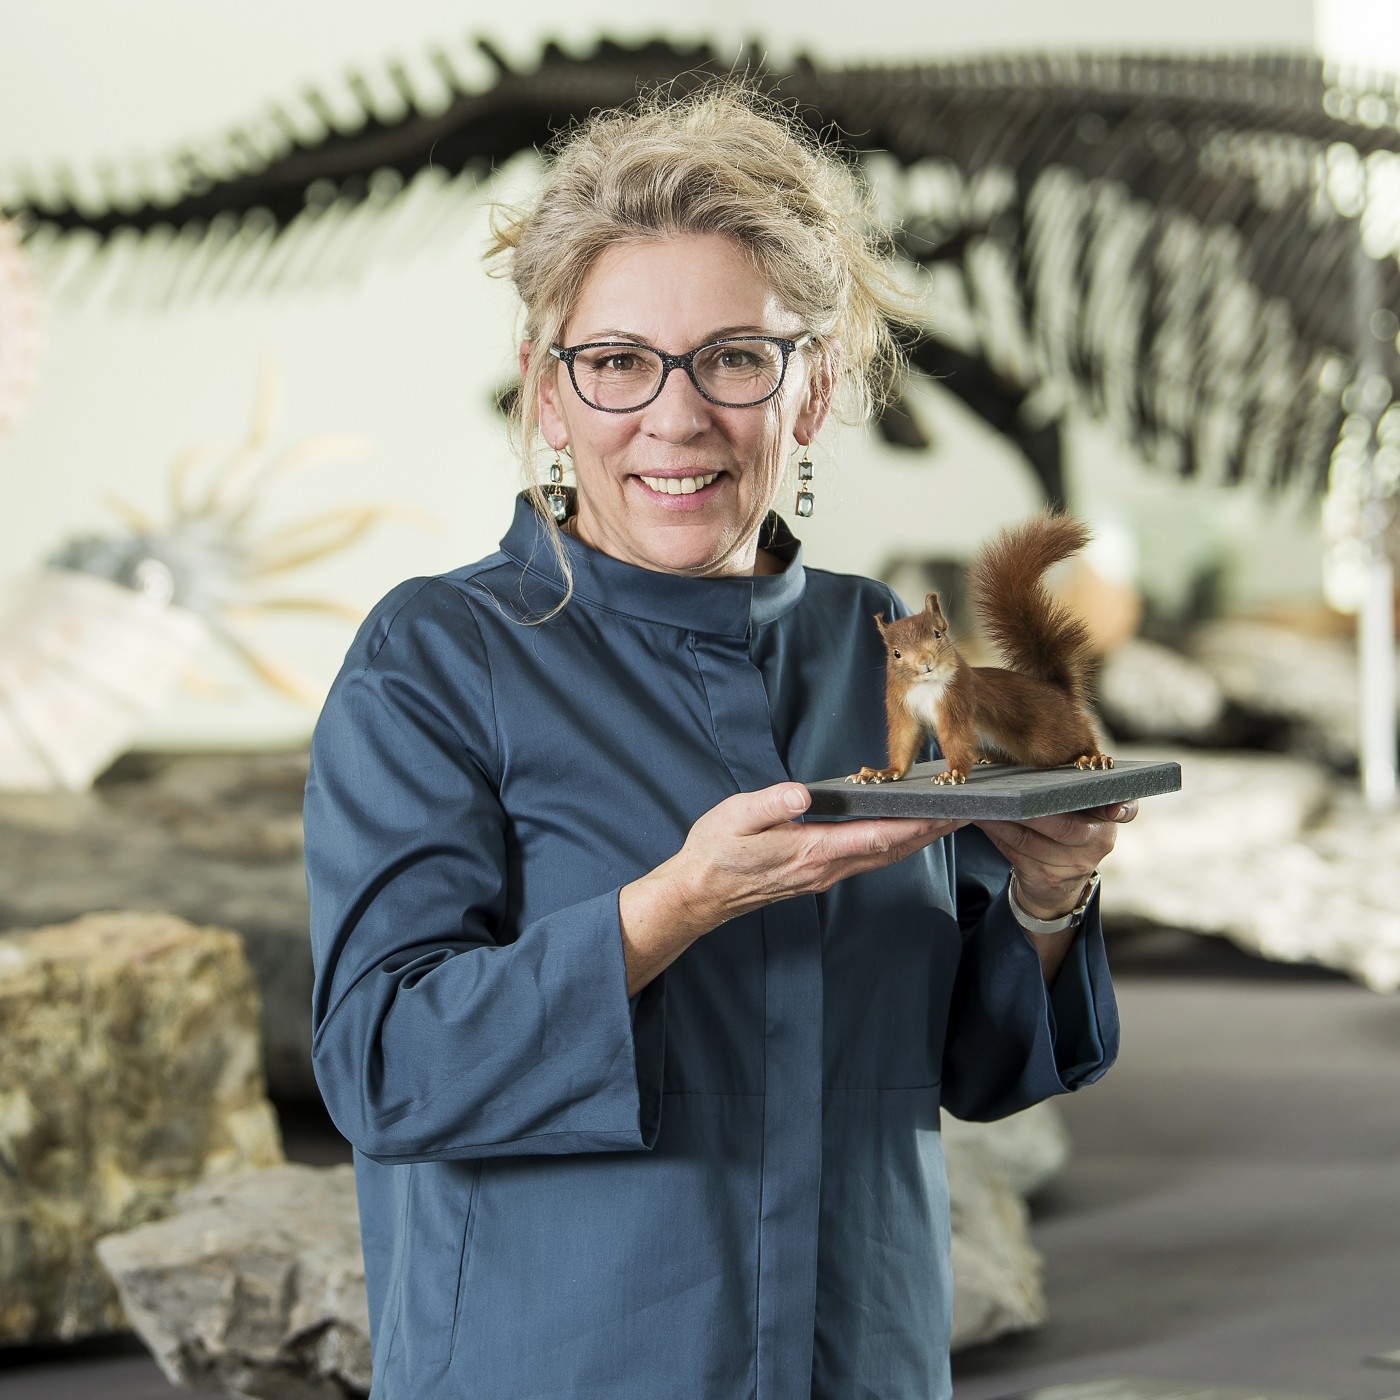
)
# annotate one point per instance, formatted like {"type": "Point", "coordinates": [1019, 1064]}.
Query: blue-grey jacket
{"type": "Point", "coordinates": [732, 1186]}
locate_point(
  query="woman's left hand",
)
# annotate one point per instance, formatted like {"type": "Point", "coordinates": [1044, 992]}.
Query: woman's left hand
{"type": "Point", "coordinates": [1053, 857]}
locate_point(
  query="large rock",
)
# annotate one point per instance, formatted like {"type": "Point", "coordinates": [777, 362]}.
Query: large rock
{"type": "Point", "coordinates": [1029, 1149]}
{"type": "Point", "coordinates": [1274, 854]}
{"type": "Point", "coordinates": [1149, 691]}
{"type": "Point", "coordinates": [1310, 684]}
{"type": "Point", "coordinates": [254, 1287]}
{"type": "Point", "coordinates": [992, 1167]}
{"type": "Point", "coordinates": [213, 838]}
{"type": "Point", "coordinates": [130, 1069]}
{"type": "Point", "coordinates": [997, 1285]}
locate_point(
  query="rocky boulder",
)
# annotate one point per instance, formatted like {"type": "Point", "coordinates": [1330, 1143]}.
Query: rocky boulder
{"type": "Point", "coordinates": [1148, 691]}
{"type": "Point", "coordinates": [1273, 853]}
{"type": "Point", "coordinates": [1029, 1149]}
{"type": "Point", "coordinates": [997, 1274]}
{"type": "Point", "coordinates": [1307, 685]}
{"type": "Point", "coordinates": [254, 1286]}
{"type": "Point", "coordinates": [130, 1069]}
{"type": "Point", "coordinates": [214, 838]}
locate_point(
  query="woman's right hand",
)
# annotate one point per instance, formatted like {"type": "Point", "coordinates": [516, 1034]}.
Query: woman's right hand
{"type": "Point", "coordinates": [748, 851]}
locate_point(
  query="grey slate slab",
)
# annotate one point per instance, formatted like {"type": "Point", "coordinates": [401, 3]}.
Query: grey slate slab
{"type": "Point", "coordinates": [995, 791]}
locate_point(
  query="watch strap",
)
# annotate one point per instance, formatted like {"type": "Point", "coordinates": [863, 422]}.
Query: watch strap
{"type": "Point", "coordinates": [1073, 919]}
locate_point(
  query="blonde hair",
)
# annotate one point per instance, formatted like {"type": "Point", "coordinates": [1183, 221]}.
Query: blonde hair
{"type": "Point", "coordinates": [727, 160]}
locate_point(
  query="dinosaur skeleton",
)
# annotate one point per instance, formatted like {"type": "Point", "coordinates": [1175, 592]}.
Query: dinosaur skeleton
{"type": "Point", "coordinates": [1203, 250]}
{"type": "Point", "coordinates": [1177, 239]}
{"type": "Point", "coordinates": [19, 326]}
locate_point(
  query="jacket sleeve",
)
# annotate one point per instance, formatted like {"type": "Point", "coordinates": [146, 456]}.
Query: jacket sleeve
{"type": "Point", "coordinates": [1011, 1040]}
{"type": "Point", "coordinates": [442, 1027]}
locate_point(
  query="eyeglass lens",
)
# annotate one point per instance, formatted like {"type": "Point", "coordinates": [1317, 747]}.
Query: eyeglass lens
{"type": "Point", "coordinates": [736, 373]}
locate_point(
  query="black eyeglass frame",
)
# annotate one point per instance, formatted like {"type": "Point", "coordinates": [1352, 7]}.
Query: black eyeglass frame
{"type": "Point", "coordinates": [568, 354]}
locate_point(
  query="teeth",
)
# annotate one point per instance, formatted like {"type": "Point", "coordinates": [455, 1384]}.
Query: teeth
{"type": "Point", "coordinates": [679, 485]}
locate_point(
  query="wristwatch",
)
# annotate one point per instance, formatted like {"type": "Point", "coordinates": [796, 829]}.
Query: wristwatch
{"type": "Point", "coordinates": [1073, 919]}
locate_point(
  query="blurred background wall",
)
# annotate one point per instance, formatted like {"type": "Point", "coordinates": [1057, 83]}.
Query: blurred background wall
{"type": "Point", "coordinates": [407, 356]}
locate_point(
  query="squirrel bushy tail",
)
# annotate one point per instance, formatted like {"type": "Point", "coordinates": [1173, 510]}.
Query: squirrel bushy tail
{"type": "Point", "coordinates": [1035, 634]}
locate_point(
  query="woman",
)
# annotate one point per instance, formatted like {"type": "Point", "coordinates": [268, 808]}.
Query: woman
{"type": "Point", "coordinates": [643, 1072]}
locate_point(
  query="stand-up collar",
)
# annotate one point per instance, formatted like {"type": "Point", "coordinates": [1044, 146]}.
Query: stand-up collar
{"type": "Point", "coordinates": [725, 606]}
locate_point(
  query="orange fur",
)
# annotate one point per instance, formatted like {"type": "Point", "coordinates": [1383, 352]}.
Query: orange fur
{"type": "Point", "coordinates": [1035, 710]}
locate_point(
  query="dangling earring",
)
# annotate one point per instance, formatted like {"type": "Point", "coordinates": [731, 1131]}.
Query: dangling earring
{"type": "Point", "coordinates": [558, 502]}
{"type": "Point", "coordinates": [806, 502]}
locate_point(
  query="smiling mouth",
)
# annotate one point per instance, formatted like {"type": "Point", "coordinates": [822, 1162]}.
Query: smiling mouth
{"type": "Point", "coordinates": [679, 485]}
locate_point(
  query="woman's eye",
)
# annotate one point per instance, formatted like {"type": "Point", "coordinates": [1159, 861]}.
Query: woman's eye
{"type": "Point", "coordinates": [737, 359]}
{"type": "Point", "coordinates": [603, 363]}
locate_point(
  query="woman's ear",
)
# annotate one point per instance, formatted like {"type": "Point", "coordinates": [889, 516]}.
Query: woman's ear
{"type": "Point", "coordinates": [547, 413]}
{"type": "Point", "coordinates": [821, 387]}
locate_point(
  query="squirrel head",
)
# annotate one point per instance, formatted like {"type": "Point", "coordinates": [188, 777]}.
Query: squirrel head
{"type": "Point", "coordinates": [918, 645]}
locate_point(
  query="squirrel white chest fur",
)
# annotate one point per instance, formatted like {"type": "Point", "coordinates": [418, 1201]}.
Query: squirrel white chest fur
{"type": "Point", "coordinates": [924, 700]}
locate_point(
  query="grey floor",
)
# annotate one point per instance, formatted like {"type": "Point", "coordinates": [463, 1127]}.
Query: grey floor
{"type": "Point", "coordinates": [1231, 1218]}
{"type": "Point", "coordinates": [1232, 1215]}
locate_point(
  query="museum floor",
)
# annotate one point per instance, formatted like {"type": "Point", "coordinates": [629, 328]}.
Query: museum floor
{"type": "Point", "coordinates": [1231, 1216]}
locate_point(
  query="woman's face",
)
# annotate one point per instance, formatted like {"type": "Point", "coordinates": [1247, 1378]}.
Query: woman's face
{"type": "Point", "coordinates": [675, 294]}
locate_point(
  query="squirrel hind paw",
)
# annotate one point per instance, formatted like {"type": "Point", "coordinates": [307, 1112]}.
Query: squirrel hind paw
{"type": "Point", "coordinates": [1093, 760]}
{"type": "Point", "coordinates": [875, 775]}
{"type": "Point", "coordinates": [953, 775]}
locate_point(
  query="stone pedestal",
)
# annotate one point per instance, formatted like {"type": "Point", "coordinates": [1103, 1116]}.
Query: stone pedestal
{"type": "Point", "coordinates": [130, 1069]}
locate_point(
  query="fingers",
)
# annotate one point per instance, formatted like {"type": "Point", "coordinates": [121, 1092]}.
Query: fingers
{"type": "Point", "coordinates": [842, 849]}
{"type": "Point", "coordinates": [1038, 859]}
{"type": "Point", "coordinates": [1052, 856]}
{"type": "Point", "coordinates": [754, 812]}
{"type": "Point", "coordinates": [749, 850]}
{"type": "Point", "coordinates": [1052, 838]}
{"type": "Point", "coordinates": [888, 838]}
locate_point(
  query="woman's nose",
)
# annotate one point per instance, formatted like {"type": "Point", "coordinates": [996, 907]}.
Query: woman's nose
{"type": "Point", "coordinates": [679, 412]}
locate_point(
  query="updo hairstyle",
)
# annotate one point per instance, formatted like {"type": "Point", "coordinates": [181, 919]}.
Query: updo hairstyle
{"type": "Point", "coordinates": [725, 160]}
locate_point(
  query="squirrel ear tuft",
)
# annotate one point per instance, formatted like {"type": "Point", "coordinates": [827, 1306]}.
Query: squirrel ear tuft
{"type": "Point", "coordinates": [880, 622]}
{"type": "Point", "coordinates": [931, 603]}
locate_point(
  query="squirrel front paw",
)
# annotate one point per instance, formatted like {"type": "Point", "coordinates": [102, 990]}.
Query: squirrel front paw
{"type": "Point", "coordinates": [1093, 760]}
{"type": "Point", "coordinates": [952, 775]}
{"type": "Point", "coordinates": [876, 775]}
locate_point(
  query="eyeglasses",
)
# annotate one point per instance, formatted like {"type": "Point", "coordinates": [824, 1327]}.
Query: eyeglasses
{"type": "Point", "coordinates": [618, 376]}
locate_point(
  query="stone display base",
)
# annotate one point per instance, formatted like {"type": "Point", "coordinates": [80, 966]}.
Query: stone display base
{"type": "Point", "coordinates": [994, 792]}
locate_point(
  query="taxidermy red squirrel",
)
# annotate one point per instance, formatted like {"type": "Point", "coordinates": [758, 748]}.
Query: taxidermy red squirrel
{"type": "Point", "coordinates": [1034, 713]}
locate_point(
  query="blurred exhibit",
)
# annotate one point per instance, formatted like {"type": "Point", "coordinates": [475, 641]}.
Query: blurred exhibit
{"type": "Point", "coordinates": [253, 374]}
